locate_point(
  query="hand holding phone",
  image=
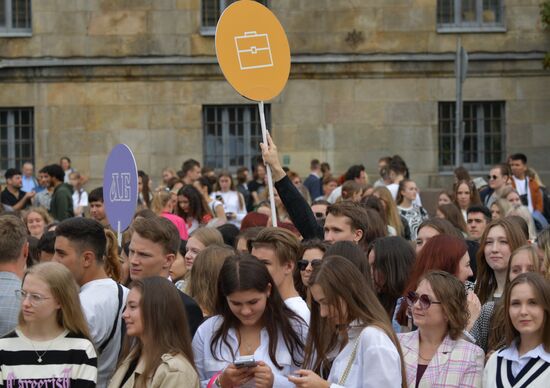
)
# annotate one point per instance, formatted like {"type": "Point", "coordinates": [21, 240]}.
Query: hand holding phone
{"type": "Point", "coordinates": [245, 362]}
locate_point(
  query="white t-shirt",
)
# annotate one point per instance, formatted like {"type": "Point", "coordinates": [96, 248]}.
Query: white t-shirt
{"type": "Point", "coordinates": [82, 201]}
{"type": "Point", "coordinates": [99, 299]}
{"type": "Point", "coordinates": [522, 187]}
{"type": "Point", "coordinates": [299, 306]}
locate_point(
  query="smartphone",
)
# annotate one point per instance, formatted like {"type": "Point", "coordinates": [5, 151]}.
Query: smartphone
{"type": "Point", "coordinates": [245, 362]}
{"type": "Point", "coordinates": [219, 198]}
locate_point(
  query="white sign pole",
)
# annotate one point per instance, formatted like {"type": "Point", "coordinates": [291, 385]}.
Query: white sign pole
{"type": "Point", "coordinates": [268, 168]}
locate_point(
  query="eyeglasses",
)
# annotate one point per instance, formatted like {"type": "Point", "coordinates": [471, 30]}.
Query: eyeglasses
{"type": "Point", "coordinates": [34, 298]}
{"type": "Point", "coordinates": [302, 264]}
{"type": "Point", "coordinates": [425, 301]}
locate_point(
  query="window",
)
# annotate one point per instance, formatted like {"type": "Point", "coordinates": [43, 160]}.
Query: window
{"type": "Point", "coordinates": [232, 134]}
{"type": "Point", "coordinates": [484, 135]}
{"type": "Point", "coordinates": [16, 137]}
{"type": "Point", "coordinates": [470, 15]}
{"type": "Point", "coordinates": [211, 11]}
{"type": "Point", "coordinates": [15, 17]}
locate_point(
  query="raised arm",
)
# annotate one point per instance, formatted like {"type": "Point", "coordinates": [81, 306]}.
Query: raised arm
{"type": "Point", "coordinates": [297, 207]}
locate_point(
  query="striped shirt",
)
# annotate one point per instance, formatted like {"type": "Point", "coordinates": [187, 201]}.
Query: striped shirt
{"type": "Point", "coordinates": [67, 361]}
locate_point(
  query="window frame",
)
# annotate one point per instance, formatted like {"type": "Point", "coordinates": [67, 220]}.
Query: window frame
{"type": "Point", "coordinates": [8, 30]}
{"type": "Point", "coordinates": [222, 5]}
{"type": "Point", "coordinates": [12, 142]}
{"type": "Point", "coordinates": [483, 134]}
{"type": "Point", "coordinates": [250, 121]}
{"type": "Point", "coordinates": [475, 27]}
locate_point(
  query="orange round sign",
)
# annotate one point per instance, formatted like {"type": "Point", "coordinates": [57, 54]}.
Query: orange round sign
{"type": "Point", "coordinates": [253, 50]}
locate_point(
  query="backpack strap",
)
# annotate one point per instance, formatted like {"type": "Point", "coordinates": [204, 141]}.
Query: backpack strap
{"type": "Point", "coordinates": [115, 323]}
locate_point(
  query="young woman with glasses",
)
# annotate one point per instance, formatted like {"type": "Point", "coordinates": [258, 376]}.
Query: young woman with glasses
{"type": "Point", "coordinates": [311, 253]}
{"type": "Point", "coordinates": [51, 344]}
{"type": "Point", "coordinates": [435, 354]}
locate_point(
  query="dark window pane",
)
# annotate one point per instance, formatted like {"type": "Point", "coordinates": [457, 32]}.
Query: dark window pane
{"type": "Point", "coordinates": [445, 11]}
{"type": "Point", "coordinates": [2, 13]}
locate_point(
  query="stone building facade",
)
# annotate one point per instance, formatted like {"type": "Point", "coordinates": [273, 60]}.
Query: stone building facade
{"type": "Point", "coordinates": [369, 78]}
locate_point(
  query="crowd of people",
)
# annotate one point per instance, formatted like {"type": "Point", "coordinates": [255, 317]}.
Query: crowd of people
{"type": "Point", "coordinates": [357, 285]}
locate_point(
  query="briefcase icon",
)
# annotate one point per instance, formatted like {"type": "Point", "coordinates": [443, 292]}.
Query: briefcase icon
{"type": "Point", "coordinates": [253, 51]}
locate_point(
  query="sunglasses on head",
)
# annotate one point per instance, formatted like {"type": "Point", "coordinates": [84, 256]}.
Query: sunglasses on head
{"type": "Point", "coordinates": [425, 301]}
{"type": "Point", "coordinates": [302, 264]}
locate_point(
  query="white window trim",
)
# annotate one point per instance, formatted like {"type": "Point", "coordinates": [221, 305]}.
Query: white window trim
{"type": "Point", "coordinates": [8, 30]}
{"type": "Point", "coordinates": [211, 30]}
{"type": "Point", "coordinates": [469, 27]}
{"type": "Point", "coordinates": [478, 166]}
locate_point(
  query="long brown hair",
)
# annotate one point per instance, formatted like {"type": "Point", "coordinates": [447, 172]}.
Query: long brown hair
{"type": "Point", "coordinates": [65, 291]}
{"type": "Point", "coordinates": [112, 263]}
{"type": "Point", "coordinates": [244, 272]}
{"type": "Point", "coordinates": [496, 334]}
{"type": "Point", "coordinates": [164, 324]}
{"type": "Point", "coordinates": [486, 282]}
{"type": "Point", "coordinates": [343, 285]}
{"type": "Point", "coordinates": [392, 214]}
{"type": "Point", "coordinates": [541, 289]}
{"type": "Point", "coordinates": [203, 281]}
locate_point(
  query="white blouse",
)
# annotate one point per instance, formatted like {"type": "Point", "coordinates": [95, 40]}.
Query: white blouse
{"type": "Point", "coordinates": [208, 366]}
{"type": "Point", "coordinates": [376, 365]}
{"type": "Point", "coordinates": [232, 204]}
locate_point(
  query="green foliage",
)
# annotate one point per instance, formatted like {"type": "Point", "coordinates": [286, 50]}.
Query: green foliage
{"type": "Point", "coordinates": [545, 14]}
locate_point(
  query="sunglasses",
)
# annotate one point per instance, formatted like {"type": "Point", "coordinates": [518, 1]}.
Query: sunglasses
{"type": "Point", "coordinates": [319, 215]}
{"type": "Point", "coordinates": [425, 301]}
{"type": "Point", "coordinates": [302, 264]}
{"type": "Point", "coordinates": [492, 177]}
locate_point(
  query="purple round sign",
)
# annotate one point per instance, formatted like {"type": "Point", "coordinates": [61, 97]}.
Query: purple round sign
{"type": "Point", "coordinates": [120, 187]}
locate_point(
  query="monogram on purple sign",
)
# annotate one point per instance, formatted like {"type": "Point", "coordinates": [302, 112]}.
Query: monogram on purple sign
{"type": "Point", "coordinates": [120, 187]}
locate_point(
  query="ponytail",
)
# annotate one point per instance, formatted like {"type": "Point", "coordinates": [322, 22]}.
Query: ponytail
{"type": "Point", "coordinates": [111, 264]}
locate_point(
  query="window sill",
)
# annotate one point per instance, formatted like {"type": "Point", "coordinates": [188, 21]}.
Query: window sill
{"type": "Point", "coordinates": [469, 29]}
{"type": "Point", "coordinates": [13, 34]}
{"type": "Point", "coordinates": [207, 31]}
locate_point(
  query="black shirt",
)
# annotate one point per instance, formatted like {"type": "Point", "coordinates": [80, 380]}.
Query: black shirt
{"type": "Point", "coordinates": [9, 199]}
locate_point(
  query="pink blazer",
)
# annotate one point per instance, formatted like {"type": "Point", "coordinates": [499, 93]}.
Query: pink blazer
{"type": "Point", "coordinates": [456, 363]}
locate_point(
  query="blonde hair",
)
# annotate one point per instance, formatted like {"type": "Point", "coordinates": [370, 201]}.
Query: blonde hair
{"type": "Point", "coordinates": [160, 199]}
{"type": "Point", "coordinates": [39, 210]}
{"type": "Point", "coordinates": [203, 282]}
{"type": "Point", "coordinates": [208, 236]}
{"type": "Point", "coordinates": [523, 212]}
{"type": "Point", "coordinates": [543, 243]}
{"type": "Point", "coordinates": [392, 215]}
{"type": "Point", "coordinates": [64, 290]}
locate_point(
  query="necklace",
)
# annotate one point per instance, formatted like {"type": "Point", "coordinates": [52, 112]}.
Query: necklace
{"type": "Point", "coordinates": [39, 359]}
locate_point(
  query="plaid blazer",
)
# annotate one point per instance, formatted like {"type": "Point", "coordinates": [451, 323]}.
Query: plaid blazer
{"type": "Point", "coordinates": [455, 364]}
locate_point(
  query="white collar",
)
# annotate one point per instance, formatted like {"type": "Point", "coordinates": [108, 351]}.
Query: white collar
{"type": "Point", "coordinates": [511, 353]}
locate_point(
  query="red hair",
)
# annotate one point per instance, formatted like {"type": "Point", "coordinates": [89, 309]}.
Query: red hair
{"type": "Point", "coordinates": [442, 252]}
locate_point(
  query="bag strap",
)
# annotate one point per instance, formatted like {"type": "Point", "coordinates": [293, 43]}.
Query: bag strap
{"type": "Point", "coordinates": [115, 324]}
{"type": "Point", "coordinates": [350, 361]}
